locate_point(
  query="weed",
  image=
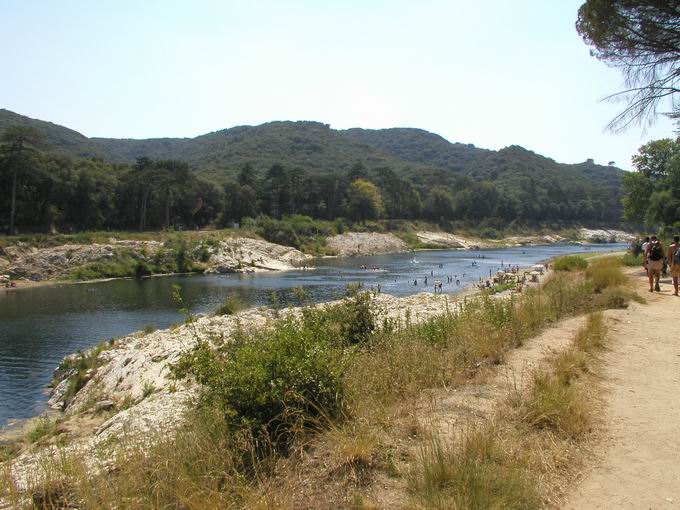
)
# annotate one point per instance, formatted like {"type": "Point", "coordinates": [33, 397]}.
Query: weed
{"type": "Point", "coordinates": [148, 388]}
{"type": "Point", "coordinates": [231, 306]}
{"type": "Point", "coordinates": [41, 428]}
{"type": "Point", "coordinates": [148, 329]}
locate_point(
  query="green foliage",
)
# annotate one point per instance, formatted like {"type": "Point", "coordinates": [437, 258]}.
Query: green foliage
{"type": "Point", "coordinates": [232, 305]}
{"type": "Point", "coordinates": [631, 260]}
{"type": "Point", "coordinates": [301, 232]}
{"type": "Point", "coordinates": [289, 375]}
{"type": "Point", "coordinates": [570, 263]}
{"type": "Point", "coordinates": [641, 39]}
{"type": "Point", "coordinates": [117, 267]}
{"type": "Point", "coordinates": [364, 201]}
{"type": "Point", "coordinates": [296, 168]}
{"type": "Point", "coordinates": [652, 193]}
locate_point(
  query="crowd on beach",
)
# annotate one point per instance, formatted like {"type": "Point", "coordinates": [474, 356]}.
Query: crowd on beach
{"type": "Point", "coordinates": [656, 261]}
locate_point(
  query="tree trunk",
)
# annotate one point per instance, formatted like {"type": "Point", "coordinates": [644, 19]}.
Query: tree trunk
{"type": "Point", "coordinates": [142, 212]}
{"type": "Point", "coordinates": [13, 201]}
{"type": "Point", "coordinates": [167, 211]}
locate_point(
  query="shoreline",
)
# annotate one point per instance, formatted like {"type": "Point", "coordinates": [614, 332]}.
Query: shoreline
{"type": "Point", "coordinates": [413, 301]}
{"type": "Point", "coordinates": [22, 283]}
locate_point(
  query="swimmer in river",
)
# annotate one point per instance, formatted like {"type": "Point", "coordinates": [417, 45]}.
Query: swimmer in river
{"type": "Point", "coordinates": [415, 282]}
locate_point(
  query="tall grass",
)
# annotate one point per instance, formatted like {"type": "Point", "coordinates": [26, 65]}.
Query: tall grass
{"type": "Point", "coordinates": [475, 473]}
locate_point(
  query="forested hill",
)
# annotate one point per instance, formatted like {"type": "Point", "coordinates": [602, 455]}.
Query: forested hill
{"type": "Point", "coordinates": [315, 147]}
{"type": "Point", "coordinates": [288, 168]}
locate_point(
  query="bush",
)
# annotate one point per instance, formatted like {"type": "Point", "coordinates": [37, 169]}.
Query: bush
{"type": "Point", "coordinates": [232, 305]}
{"type": "Point", "coordinates": [271, 381]}
{"type": "Point", "coordinates": [570, 263]}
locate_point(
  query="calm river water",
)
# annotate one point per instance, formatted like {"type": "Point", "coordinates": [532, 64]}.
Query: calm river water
{"type": "Point", "coordinates": [39, 326]}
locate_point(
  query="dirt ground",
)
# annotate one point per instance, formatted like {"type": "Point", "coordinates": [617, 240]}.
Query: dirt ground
{"type": "Point", "coordinates": [637, 464]}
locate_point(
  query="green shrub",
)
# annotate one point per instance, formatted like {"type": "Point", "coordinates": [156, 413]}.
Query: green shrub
{"type": "Point", "coordinates": [270, 381]}
{"type": "Point", "coordinates": [570, 263]}
{"type": "Point", "coordinates": [232, 305]}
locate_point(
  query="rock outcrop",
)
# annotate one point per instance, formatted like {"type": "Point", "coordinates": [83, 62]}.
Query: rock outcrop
{"type": "Point", "coordinates": [227, 256]}
{"type": "Point", "coordinates": [446, 240]}
{"type": "Point", "coordinates": [358, 244]}
{"type": "Point", "coordinates": [606, 236]}
{"type": "Point", "coordinates": [251, 255]}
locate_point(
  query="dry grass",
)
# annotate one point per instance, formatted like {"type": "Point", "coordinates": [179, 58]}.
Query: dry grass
{"type": "Point", "coordinates": [520, 459]}
{"type": "Point", "coordinates": [473, 472]}
{"type": "Point", "coordinates": [208, 465]}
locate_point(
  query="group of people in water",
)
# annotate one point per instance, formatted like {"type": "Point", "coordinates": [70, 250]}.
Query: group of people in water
{"type": "Point", "coordinates": [504, 274]}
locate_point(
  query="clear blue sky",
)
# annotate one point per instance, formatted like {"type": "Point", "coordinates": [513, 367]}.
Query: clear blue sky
{"type": "Point", "coordinates": [492, 73]}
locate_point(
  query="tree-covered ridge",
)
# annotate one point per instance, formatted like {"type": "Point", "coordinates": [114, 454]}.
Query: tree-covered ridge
{"type": "Point", "coordinates": [288, 168]}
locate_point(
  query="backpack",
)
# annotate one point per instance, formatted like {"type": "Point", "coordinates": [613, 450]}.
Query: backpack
{"type": "Point", "coordinates": [655, 252]}
{"type": "Point", "coordinates": [676, 255]}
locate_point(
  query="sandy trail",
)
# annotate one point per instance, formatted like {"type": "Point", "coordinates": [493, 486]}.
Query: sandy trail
{"type": "Point", "coordinates": [638, 462]}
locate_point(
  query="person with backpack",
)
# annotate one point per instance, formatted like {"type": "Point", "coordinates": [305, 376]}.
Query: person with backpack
{"type": "Point", "coordinates": [654, 256]}
{"type": "Point", "coordinates": [645, 245]}
{"type": "Point", "coordinates": [674, 262]}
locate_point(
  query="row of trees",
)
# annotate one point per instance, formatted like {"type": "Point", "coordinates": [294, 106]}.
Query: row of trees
{"type": "Point", "coordinates": [46, 191]}
{"type": "Point", "coordinates": [50, 191]}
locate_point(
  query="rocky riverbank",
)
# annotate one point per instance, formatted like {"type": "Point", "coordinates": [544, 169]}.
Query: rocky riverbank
{"type": "Point", "coordinates": [125, 388]}
{"type": "Point", "coordinates": [118, 258]}
{"type": "Point", "coordinates": [77, 261]}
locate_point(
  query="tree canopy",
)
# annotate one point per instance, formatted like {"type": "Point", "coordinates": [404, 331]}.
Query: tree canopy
{"type": "Point", "coordinates": [652, 193]}
{"type": "Point", "coordinates": [642, 38]}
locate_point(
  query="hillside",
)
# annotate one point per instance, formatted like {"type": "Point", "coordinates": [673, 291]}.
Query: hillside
{"type": "Point", "coordinates": [299, 168]}
{"type": "Point", "coordinates": [317, 148]}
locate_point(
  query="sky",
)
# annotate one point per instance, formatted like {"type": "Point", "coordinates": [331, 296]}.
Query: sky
{"type": "Point", "coordinates": [493, 73]}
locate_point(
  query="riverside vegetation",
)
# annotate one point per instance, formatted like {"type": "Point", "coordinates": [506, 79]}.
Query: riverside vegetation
{"type": "Point", "coordinates": [309, 411]}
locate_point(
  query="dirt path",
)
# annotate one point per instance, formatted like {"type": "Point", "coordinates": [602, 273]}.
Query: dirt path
{"type": "Point", "coordinates": [638, 463]}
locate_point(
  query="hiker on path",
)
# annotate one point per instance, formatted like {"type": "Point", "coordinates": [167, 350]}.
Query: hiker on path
{"type": "Point", "coordinates": [654, 256]}
{"type": "Point", "coordinates": [674, 262]}
{"type": "Point", "coordinates": [645, 245]}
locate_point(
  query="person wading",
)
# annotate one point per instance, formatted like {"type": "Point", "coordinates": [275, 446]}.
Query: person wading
{"type": "Point", "coordinates": [654, 263]}
{"type": "Point", "coordinates": [674, 262]}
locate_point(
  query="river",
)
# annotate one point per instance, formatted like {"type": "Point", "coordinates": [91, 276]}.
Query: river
{"type": "Point", "coordinates": [41, 325]}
